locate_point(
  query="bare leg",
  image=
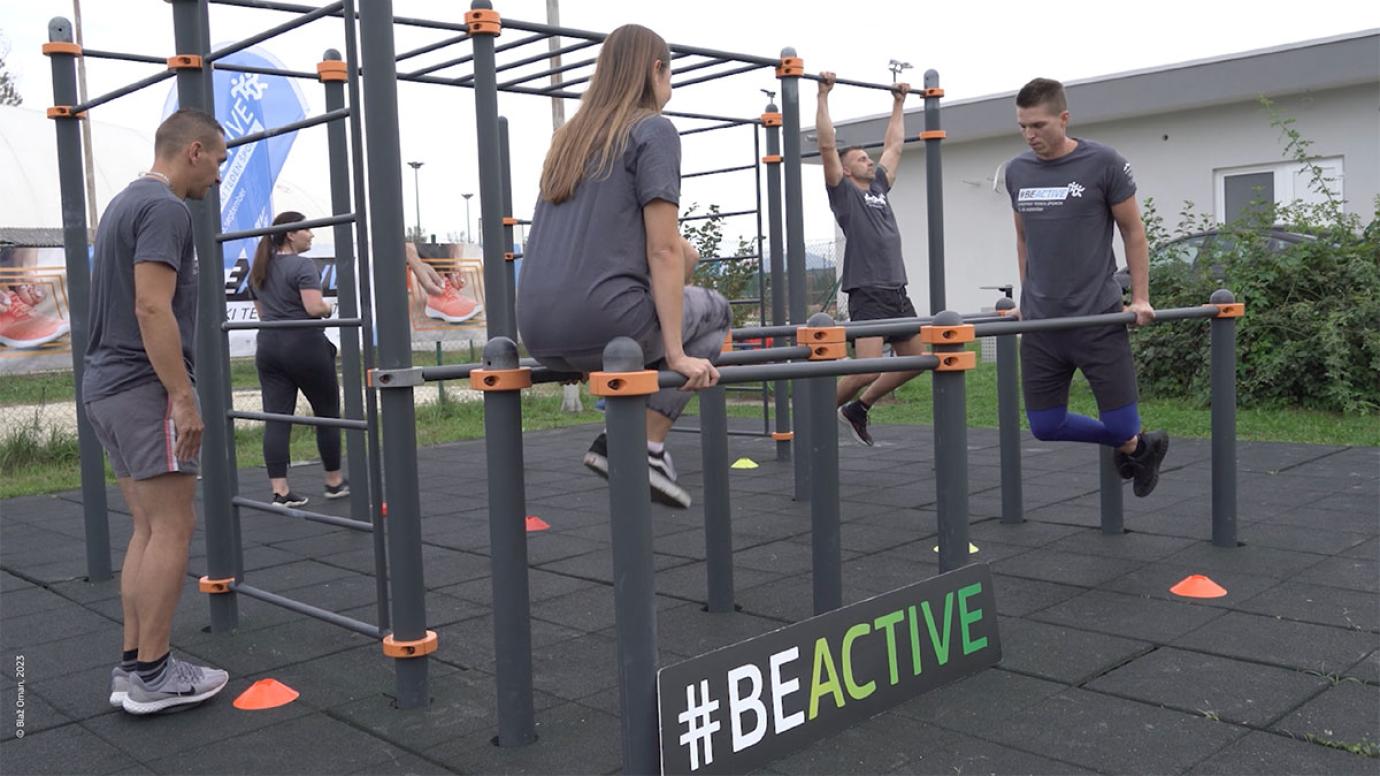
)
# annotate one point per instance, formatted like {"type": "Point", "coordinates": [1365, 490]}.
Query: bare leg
{"type": "Point", "coordinates": [280, 485]}
{"type": "Point", "coordinates": [870, 347]}
{"type": "Point", "coordinates": [129, 571]}
{"type": "Point", "coordinates": [166, 502]}
{"type": "Point", "coordinates": [334, 478]}
{"type": "Point", "coordinates": [658, 426]}
{"type": "Point", "coordinates": [890, 381]}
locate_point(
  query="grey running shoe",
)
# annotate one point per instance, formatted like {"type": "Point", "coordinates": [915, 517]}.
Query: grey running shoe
{"type": "Point", "coordinates": [181, 684]}
{"type": "Point", "coordinates": [1147, 462]}
{"type": "Point", "coordinates": [119, 686]}
{"type": "Point", "coordinates": [854, 416]}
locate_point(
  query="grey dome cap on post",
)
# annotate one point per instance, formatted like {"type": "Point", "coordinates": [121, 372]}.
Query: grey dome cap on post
{"type": "Point", "coordinates": [331, 55]}
{"type": "Point", "coordinates": [1005, 303]}
{"type": "Point", "coordinates": [1222, 296]}
{"type": "Point", "coordinates": [500, 353]}
{"type": "Point", "coordinates": [948, 318]}
{"type": "Point", "coordinates": [59, 30]}
{"type": "Point", "coordinates": [623, 354]}
{"type": "Point", "coordinates": [820, 320]}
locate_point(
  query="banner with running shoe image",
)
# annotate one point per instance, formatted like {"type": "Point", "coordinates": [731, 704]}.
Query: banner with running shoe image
{"type": "Point", "coordinates": [34, 310]}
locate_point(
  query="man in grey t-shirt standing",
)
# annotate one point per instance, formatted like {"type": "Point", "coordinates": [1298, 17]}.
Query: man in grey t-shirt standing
{"type": "Point", "coordinates": [137, 386]}
{"type": "Point", "coordinates": [874, 273]}
{"type": "Point", "coordinates": [1066, 194]}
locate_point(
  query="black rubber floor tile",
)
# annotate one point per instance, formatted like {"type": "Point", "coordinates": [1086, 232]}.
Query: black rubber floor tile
{"type": "Point", "coordinates": [31, 600]}
{"type": "Point", "coordinates": [9, 583]}
{"type": "Point", "coordinates": [38, 715]}
{"type": "Point", "coordinates": [866, 747]}
{"type": "Point", "coordinates": [1368, 670]}
{"type": "Point", "coordinates": [540, 586]}
{"type": "Point", "coordinates": [887, 571]}
{"type": "Point", "coordinates": [1260, 753]}
{"type": "Point", "coordinates": [1131, 545]}
{"type": "Point", "coordinates": [1348, 713]}
{"type": "Point", "coordinates": [267, 649]}
{"type": "Point", "coordinates": [1250, 559]}
{"type": "Point", "coordinates": [79, 695]}
{"type": "Point", "coordinates": [1031, 533]}
{"type": "Point", "coordinates": [690, 582]}
{"type": "Point", "coordinates": [317, 745]}
{"type": "Point", "coordinates": [27, 632]}
{"type": "Point", "coordinates": [1114, 735]}
{"type": "Point", "coordinates": [571, 739]}
{"type": "Point", "coordinates": [1062, 654]}
{"type": "Point", "coordinates": [587, 610]}
{"type": "Point", "coordinates": [1315, 515]}
{"type": "Point", "coordinates": [547, 547]}
{"type": "Point", "coordinates": [782, 557]}
{"type": "Point", "coordinates": [1350, 573]}
{"type": "Point", "coordinates": [786, 599]}
{"type": "Point", "coordinates": [406, 765]}
{"type": "Point", "coordinates": [1017, 597]}
{"type": "Point", "coordinates": [598, 565]}
{"type": "Point", "coordinates": [1293, 537]}
{"type": "Point", "coordinates": [471, 643]}
{"type": "Point", "coordinates": [690, 630]}
{"type": "Point", "coordinates": [1280, 642]}
{"type": "Point", "coordinates": [577, 667]}
{"type": "Point", "coordinates": [343, 677]}
{"type": "Point", "coordinates": [337, 595]}
{"type": "Point", "coordinates": [978, 702]}
{"type": "Point", "coordinates": [64, 657]}
{"type": "Point", "coordinates": [1065, 567]}
{"type": "Point", "coordinates": [1334, 606]}
{"type": "Point", "coordinates": [62, 751]}
{"type": "Point", "coordinates": [1135, 617]}
{"type": "Point", "coordinates": [1155, 580]}
{"type": "Point", "coordinates": [936, 752]}
{"type": "Point", "coordinates": [301, 574]}
{"type": "Point", "coordinates": [1368, 550]}
{"type": "Point", "coordinates": [1232, 690]}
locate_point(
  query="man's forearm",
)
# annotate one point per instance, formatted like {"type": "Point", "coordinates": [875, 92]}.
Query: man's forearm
{"type": "Point", "coordinates": [1138, 263]}
{"type": "Point", "coordinates": [824, 127]}
{"type": "Point", "coordinates": [163, 346]}
{"type": "Point", "coordinates": [895, 128]}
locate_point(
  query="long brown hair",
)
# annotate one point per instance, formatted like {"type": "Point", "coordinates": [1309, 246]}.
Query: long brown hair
{"type": "Point", "coordinates": [621, 92]}
{"type": "Point", "coordinates": [269, 245]}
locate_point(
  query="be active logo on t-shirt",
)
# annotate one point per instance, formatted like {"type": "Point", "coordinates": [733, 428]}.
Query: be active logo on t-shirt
{"type": "Point", "coordinates": [1037, 198]}
{"type": "Point", "coordinates": [875, 200]}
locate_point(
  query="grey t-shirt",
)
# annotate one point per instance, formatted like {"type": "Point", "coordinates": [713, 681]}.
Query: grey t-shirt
{"type": "Point", "coordinates": [872, 248]}
{"type": "Point", "coordinates": [280, 298]}
{"type": "Point", "coordinates": [145, 222]}
{"type": "Point", "coordinates": [585, 278]}
{"type": "Point", "coordinates": [1066, 207]}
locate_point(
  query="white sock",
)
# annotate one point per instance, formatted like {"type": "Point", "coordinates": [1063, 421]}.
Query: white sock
{"type": "Point", "coordinates": [655, 447]}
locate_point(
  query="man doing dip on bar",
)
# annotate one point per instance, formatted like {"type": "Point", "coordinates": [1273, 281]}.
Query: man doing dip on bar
{"type": "Point", "coordinates": [874, 275]}
{"type": "Point", "coordinates": [1066, 194]}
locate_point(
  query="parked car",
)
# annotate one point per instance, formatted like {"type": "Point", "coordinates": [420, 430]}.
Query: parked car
{"type": "Point", "coordinates": [1190, 248]}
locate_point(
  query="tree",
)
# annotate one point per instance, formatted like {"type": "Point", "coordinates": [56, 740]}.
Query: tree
{"type": "Point", "coordinates": [733, 276]}
{"type": "Point", "coordinates": [9, 91]}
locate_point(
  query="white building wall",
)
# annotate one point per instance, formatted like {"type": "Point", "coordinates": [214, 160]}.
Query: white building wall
{"type": "Point", "coordinates": [1174, 157]}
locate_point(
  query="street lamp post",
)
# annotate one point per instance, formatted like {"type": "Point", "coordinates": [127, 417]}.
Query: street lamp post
{"type": "Point", "coordinates": [417, 196]}
{"type": "Point", "coordinates": [896, 66]}
{"type": "Point", "coordinates": [468, 234]}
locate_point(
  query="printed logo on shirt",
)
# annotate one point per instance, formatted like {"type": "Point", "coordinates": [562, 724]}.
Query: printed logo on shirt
{"type": "Point", "coordinates": [875, 200]}
{"type": "Point", "coordinates": [1127, 170]}
{"type": "Point", "coordinates": [1036, 199]}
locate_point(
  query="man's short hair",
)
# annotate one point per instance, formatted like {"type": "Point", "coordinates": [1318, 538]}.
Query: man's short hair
{"type": "Point", "coordinates": [1043, 91]}
{"type": "Point", "coordinates": [184, 127]}
{"type": "Point", "coordinates": [846, 150]}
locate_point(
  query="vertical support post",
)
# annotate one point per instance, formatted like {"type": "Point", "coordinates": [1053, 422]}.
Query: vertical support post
{"type": "Point", "coordinates": [347, 300]}
{"type": "Point", "coordinates": [1110, 479]}
{"type": "Point", "coordinates": [509, 262]}
{"type": "Point", "coordinates": [633, 574]}
{"type": "Point", "coordinates": [502, 381]}
{"type": "Point", "coordinates": [218, 476]}
{"type": "Point", "coordinates": [74, 236]}
{"type": "Point", "coordinates": [490, 173]}
{"type": "Point", "coordinates": [395, 345]}
{"type": "Point", "coordinates": [1009, 421]}
{"type": "Point", "coordinates": [826, 541]}
{"type": "Point", "coordinates": [771, 121]}
{"type": "Point", "coordinates": [1223, 424]}
{"type": "Point", "coordinates": [950, 445]}
{"type": "Point", "coordinates": [795, 253]}
{"type": "Point", "coordinates": [934, 191]}
{"type": "Point", "coordinates": [718, 521]}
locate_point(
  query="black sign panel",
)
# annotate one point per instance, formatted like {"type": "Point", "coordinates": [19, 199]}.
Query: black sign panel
{"type": "Point", "coordinates": [742, 706]}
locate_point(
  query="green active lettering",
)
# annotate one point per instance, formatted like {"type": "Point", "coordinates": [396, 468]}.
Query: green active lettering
{"type": "Point", "coordinates": [888, 621]}
{"type": "Point", "coordinates": [914, 622]}
{"type": "Point", "coordinates": [825, 659]}
{"type": "Point", "coordinates": [966, 618]}
{"type": "Point", "coordinates": [855, 691]}
{"type": "Point", "coordinates": [941, 646]}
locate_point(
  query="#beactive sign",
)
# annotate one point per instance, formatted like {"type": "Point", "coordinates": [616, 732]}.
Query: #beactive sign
{"type": "Point", "coordinates": [742, 706]}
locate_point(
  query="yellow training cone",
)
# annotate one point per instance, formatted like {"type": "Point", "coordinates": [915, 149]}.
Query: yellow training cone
{"type": "Point", "coordinates": [744, 463]}
{"type": "Point", "coordinates": [972, 548]}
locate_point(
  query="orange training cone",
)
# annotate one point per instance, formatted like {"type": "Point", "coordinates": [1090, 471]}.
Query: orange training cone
{"type": "Point", "coordinates": [1198, 586]}
{"type": "Point", "coordinates": [535, 523]}
{"type": "Point", "coordinates": [266, 694]}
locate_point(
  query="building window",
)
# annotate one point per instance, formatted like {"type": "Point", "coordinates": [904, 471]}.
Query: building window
{"type": "Point", "coordinates": [1281, 184]}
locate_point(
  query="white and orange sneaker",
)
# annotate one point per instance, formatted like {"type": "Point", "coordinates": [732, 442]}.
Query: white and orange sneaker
{"type": "Point", "coordinates": [23, 327]}
{"type": "Point", "coordinates": [450, 306]}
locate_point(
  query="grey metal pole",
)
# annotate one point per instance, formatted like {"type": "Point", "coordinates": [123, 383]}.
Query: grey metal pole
{"type": "Point", "coordinates": [1224, 422]}
{"type": "Point", "coordinates": [218, 476]}
{"type": "Point", "coordinates": [1110, 485]}
{"type": "Point", "coordinates": [509, 262]}
{"type": "Point", "coordinates": [347, 300]}
{"type": "Point", "coordinates": [795, 252]}
{"type": "Point", "coordinates": [951, 442]}
{"type": "Point", "coordinates": [718, 524]}
{"type": "Point", "coordinates": [634, 578]}
{"type": "Point", "coordinates": [771, 120]}
{"type": "Point", "coordinates": [826, 542]}
{"type": "Point", "coordinates": [1009, 421]}
{"type": "Point", "coordinates": [502, 381]}
{"type": "Point", "coordinates": [74, 236]}
{"type": "Point", "coordinates": [490, 177]}
{"type": "Point", "coordinates": [395, 351]}
{"type": "Point", "coordinates": [934, 190]}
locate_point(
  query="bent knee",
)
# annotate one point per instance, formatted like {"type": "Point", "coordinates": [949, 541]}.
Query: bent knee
{"type": "Point", "coordinates": [1045, 424]}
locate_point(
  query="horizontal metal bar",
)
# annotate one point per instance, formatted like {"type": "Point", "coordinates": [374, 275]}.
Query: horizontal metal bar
{"type": "Point", "coordinates": [716, 76]}
{"type": "Point", "coordinates": [719, 259]}
{"type": "Point", "coordinates": [231, 67]}
{"type": "Point", "coordinates": [300, 323]}
{"type": "Point", "coordinates": [429, 69]}
{"type": "Point", "coordinates": [856, 330]}
{"type": "Point", "coordinates": [310, 121]}
{"type": "Point", "coordinates": [788, 330]}
{"type": "Point", "coordinates": [708, 117]}
{"type": "Point", "coordinates": [868, 146]}
{"type": "Point", "coordinates": [462, 371]}
{"type": "Point", "coordinates": [698, 66]}
{"type": "Point", "coordinates": [408, 21]}
{"type": "Point", "coordinates": [860, 84]}
{"type": "Point", "coordinates": [273, 32]}
{"type": "Point", "coordinates": [299, 420]}
{"type": "Point", "coordinates": [731, 431]}
{"type": "Point", "coordinates": [746, 59]}
{"type": "Point", "coordinates": [121, 55]}
{"type": "Point", "coordinates": [802, 369]}
{"type": "Point", "coordinates": [761, 356]}
{"type": "Point", "coordinates": [546, 55]}
{"type": "Point", "coordinates": [430, 47]}
{"type": "Point", "coordinates": [314, 223]}
{"type": "Point", "coordinates": [1084, 321]}
{"type": "Point", "coordinates": [745, 301]}
{"type": "Point", "coordinates": [548, 72]}
{"type": "Point", "coordinates": [349, 623]}
{"type": "Point", "coordinates": [124, 90]}
{"type": "Point", "coordinates": [719, 215]}
{"type": "Point", "coordinates": [739, 168]}
{"type": "Point", "coordinates": [698, 130]}
{"type": "Point", "coordinates": [302, 514]}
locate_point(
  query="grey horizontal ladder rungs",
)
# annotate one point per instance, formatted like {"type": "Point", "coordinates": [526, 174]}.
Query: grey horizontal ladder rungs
{"type": "Point", "coordinates": [299, 323]}
{"type": "Point", "coordinates": [262, 231]}
{"type": "Point", "coordinates": [300, 420]}
{"type": "Point", "coordinates": [302, 514]}
{"type": "Point", "coordinates": [349, 623]}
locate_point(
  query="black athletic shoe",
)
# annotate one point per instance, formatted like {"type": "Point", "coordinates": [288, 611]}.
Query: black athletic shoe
{"type": "Point", "coordinates": [597, 458]}
{"type": "Point", "coordinates": [1125, 467]}
{"type": "Point", "coordinates": [854, 416]}
{"type": "Point", "coordinates": [1147, 461]}
{"type": "Point", "coordinates": [289, 499]}
{"type": "Point", "coordinates": [661, 472]}
{"type": "Point", "coordinates": [338, 491]}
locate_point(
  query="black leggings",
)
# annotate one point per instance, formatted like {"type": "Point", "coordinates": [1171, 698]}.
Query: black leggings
{"type": "Point", "coordinates": [289, 361]}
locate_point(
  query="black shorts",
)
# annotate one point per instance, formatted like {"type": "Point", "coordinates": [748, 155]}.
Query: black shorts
{"type": "Point", "coordinates": [872, 304]}
{"type": "Point", "coordinates": [1101, 353]}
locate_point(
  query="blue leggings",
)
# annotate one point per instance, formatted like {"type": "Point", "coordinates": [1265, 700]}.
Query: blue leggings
{"type": "Point", "coordinates": [1113, 428]}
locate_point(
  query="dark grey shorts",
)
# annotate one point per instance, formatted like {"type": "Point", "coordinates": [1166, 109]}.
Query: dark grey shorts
{"type": "Point", "coordinates": [874, 304]}
{"type": "Point", "coordinates": [1102, 354]}
{"type": "Point", "coordinates": [136, 429]}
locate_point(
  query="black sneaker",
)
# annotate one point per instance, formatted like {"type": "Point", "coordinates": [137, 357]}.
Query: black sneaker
{"type": "Point", "coordinates": [597, 458]}
{"type": "Point", "coordinates": [1146, 461]}
{"type": "Point", "coordinates": [854, 416]}
{"type": "Point", "coordinates": [337, 491]}
{"type": "Point", "coordinates": [661, 472]}
{"type": "Point", "coordinates": [1125, 467]}
{"type": "Point", "coordinates": [289, 499]}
